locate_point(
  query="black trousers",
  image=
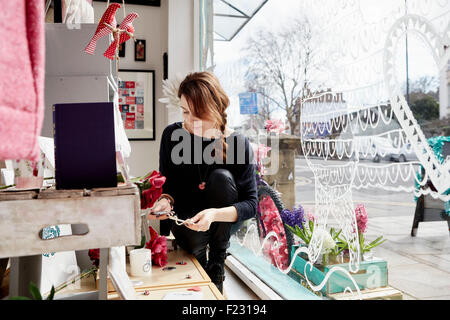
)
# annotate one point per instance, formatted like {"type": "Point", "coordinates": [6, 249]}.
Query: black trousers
{"type": "Point", "coordinates": [220, 191]}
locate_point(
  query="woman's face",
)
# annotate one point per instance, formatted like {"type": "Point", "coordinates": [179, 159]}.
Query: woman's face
{"type": "Point", "coordinates": [192, 121]}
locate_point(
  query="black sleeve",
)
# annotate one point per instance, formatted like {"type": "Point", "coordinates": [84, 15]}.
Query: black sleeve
{"type": "Point", "coordinates": [165, 165]}
{"type": "Point", "coordinates": [246, 185]}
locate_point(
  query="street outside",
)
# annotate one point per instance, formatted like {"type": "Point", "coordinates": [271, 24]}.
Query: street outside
{"type": "Point", "coordinates": [420, 266]}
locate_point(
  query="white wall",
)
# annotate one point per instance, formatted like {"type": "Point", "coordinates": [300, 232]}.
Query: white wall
{"type": "Point", "coordinates": [182, 42]}
{"type": "Point", "coordinates": [171, 28]}
{"type": "Point", "coordinates": [153, 27]}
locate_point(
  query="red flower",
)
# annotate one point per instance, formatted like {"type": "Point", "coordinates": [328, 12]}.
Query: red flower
{"type": "Point", "coordinates": [158, 246]}
{"type": "Point", "coordinates": [151, 189]}
{"type": "Point", "coordinates": [272, 222]}
{"type": "Point", "coordinates": [94, 255]}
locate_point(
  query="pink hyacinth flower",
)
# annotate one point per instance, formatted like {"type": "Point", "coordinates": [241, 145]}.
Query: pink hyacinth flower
{"type": "Point", "coordinates": [275, 126]}
{"type": "Point", "coordinates": [361, 218]}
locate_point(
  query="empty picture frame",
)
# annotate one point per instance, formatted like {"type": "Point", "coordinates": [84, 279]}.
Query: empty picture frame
{"type": "Point", "coordinates": [137, 103]}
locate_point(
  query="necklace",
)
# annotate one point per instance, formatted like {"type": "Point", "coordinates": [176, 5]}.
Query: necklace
{"type": "Point", "coordinates": [202, 184]}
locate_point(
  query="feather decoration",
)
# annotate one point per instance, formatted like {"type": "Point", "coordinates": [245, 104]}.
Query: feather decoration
{"type": "Point", "coordinates": [170, 92]}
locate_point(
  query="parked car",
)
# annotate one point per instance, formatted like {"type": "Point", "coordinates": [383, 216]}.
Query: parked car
{"type": "Point", "coordinates": [376, 149]}
{"type": "Point", "coordinates": [405, 154]}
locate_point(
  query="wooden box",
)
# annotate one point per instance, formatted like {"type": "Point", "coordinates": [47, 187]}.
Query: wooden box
{"type": "Point", "coordinates": [110, 218]}
{"type": "Point", "coordinates": [372, 274]}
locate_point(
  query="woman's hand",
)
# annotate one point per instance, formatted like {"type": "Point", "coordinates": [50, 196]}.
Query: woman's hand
{"type": "Point", "coordinates": [202, 220]}
{"type": "Point", "coordinates": [160, 205]}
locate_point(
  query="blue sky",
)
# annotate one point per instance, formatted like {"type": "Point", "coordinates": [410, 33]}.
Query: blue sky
{"type": "Point", "coordinates": [228, 54]}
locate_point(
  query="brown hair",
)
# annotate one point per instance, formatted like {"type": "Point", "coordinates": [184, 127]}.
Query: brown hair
{"type": "Point", "coordinates": [207, 100]}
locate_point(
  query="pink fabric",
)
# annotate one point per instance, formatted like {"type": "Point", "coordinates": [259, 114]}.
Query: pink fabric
{"type": "Point", "coordinates": [22, 68]}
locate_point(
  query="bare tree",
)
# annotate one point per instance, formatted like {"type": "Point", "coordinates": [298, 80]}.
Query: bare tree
{"type": "Point", "coordinates": [423, 87]}
{"type": "Point", "coordinates": [265, 107]}
{"type": "Point", "coordinates": [281, 66]}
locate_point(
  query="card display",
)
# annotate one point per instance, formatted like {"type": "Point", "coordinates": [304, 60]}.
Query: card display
{"type": "Point", "coordinates": [131, 104]}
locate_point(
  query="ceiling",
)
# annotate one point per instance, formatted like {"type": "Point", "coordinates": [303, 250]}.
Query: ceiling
{"type": "Point", "coordinates": [230, 16]}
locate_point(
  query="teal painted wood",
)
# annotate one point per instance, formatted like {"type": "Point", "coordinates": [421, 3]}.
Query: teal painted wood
{"type": "Point", "coordinates": [372, 274]}
{"type": "Point", "coordinates": [281, 283]}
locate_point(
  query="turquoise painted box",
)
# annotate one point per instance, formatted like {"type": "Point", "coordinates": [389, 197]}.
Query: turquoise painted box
{"type": "Point", "coordinates": [372, 274]}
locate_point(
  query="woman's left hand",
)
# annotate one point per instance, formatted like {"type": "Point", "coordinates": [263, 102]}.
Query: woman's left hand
{"type": "Point", "coordinates": [202, 220]}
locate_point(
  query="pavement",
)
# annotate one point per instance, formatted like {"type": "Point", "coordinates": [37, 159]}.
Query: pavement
{"type": "Point", "coordinates": [418, 266]}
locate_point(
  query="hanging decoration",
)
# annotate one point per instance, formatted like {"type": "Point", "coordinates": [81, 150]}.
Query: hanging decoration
{"type": "Point", "coordinates": [103, 29]}
{"type": "Point", "coordinates": [121, 33]}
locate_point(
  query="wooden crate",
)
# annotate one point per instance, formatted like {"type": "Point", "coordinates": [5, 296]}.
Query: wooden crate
{"type": "Point", "coordinates": [372, 274]}
{"type": "Point", "coordinates": [384, 293]}
{"type": "Point", "coordinates": [111, 221]}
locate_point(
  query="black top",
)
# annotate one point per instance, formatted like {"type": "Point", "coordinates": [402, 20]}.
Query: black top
{"type": "Point", "coordinates": [184, 171]}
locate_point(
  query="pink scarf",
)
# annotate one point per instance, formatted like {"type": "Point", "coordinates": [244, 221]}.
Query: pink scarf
{"type": "Point", "coordinates": [22, 68]}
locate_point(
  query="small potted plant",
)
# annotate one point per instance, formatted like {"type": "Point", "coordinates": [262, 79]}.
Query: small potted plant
{"type": "Point", "coordinates": [335, 253]}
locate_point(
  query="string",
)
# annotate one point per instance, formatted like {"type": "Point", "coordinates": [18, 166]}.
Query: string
{"type": "Point", "coordinates": [123, 7]}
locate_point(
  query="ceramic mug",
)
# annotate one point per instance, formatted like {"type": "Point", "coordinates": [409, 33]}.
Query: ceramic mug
{"type": "Point", "coordinates": [141, 262]}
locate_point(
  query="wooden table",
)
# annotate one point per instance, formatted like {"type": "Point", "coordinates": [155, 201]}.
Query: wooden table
{"type": "Point", "coordinates": [209, 292]}
{"type": "Point", "coordinates": [161, 281]}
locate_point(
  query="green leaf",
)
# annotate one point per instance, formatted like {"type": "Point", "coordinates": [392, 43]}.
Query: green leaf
{"type": "Point", "coordinates": [19, 298]}
{"type": "Point", "coordinates": [52, 294]}
{"type": "Point", "coordinates": [290, 228]}
{"type": "Point", "coordinates": [376, 240]}
{"type": "Point", "coordinates": [373, 245]}
{"type": "Point", "coordinates": [35, 292]}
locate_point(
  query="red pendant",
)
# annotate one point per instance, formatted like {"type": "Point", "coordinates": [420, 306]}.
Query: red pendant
{"type": "Point", "coordinates": [202, 186]}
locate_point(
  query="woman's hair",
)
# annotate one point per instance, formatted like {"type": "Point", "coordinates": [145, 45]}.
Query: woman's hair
{"type": "Point", "coordinates": [207, 100]}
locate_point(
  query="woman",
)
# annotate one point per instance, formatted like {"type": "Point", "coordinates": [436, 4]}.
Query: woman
{"type": "Point", "coordinates": [210, 175]}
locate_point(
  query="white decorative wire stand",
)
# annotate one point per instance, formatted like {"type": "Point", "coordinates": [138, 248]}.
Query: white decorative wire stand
{"type": "Point", "coordinates": [330, 130]}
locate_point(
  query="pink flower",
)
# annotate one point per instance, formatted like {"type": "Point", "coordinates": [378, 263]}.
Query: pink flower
{"type": "Point", "coordinates": [260, 152]}
{"type": "Point", "coordinates": [361, 218]}
{"type": "Point", "coordinates": [151, 189]}
{"type": "Point", "coordinates": [159, 251]}
{"type": "Point", "coordinates": [272, 222]}
{"type": "Point", "coordinates": [310, 216]}
{"type": "Point", "coordinates": [158, 246]}
{"type": "Point", "coordinates": [275, 126]}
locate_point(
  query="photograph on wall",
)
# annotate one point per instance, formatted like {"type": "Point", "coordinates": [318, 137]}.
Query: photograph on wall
{"type": "Point", "coordinates": [137, 103]}
{"type": "Point", "coordinates": [122, 50]}
{"type": "Point", "coordinates": [139, 50]}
